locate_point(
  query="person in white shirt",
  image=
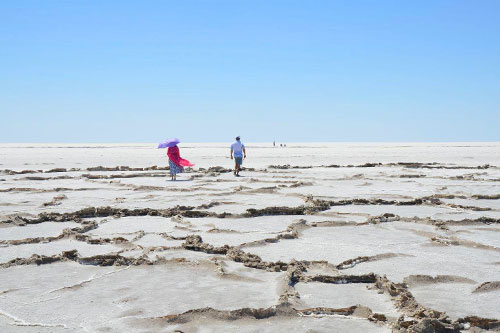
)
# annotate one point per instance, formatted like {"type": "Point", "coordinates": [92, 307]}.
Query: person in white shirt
{"type": "Point", "coordinates": [239, 153]}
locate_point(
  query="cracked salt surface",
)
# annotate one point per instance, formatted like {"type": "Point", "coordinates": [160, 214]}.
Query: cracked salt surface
{"type": "Point", "coordinates": [403, 211]}
{"type": "Point", "coordinates": [53, 248]}
{"type": "Point", "coordinates": [337, 244]}
{"type": "Point", "coordinates": [486, 235]}
{"type": "Point", "coordinates": [475, 264]}
{"type": "Point", "coordinates": [131, 224]}
{"type": "Point", "coordinates": [315, 294]}
{"type": "Point", "coordinates": [110, 297]}
{"type": "Point", "coordinates": [152, 240]}
{"type": "Point", "coordinates": [301, 324]}
{"type": "Point", "coordinates": [182, 255]}
{"type": "Point", "coordinates": [458, 300]}
{"type": "Point", "coordinates": [256, 201]}
{"type": "Point", "coordinates": [47, 229]}
{"type": "Point", "coordinates": [245, 230]}
{"type": "Point", "coordinates": [242, 274]}
{"type": "Point", "coordinates": [483, 203]}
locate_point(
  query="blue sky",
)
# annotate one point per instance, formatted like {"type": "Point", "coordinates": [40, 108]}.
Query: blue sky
{"type": "Point", "coordinates": [205, 71]}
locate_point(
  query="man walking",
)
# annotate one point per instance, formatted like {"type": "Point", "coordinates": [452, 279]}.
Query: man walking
{"type": "Point", "coordinates": [239, 152]}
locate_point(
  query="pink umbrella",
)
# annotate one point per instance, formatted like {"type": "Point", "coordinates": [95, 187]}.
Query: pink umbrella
{"type": "Point", "coordinates": [169, 143]}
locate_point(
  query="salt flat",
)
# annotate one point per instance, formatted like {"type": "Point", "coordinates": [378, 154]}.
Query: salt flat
{"type": "Point", "coordinates": [313, 237]}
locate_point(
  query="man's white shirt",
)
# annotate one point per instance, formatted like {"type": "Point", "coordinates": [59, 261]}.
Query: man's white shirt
{"type": "Point", "coordinates": [237, 148]}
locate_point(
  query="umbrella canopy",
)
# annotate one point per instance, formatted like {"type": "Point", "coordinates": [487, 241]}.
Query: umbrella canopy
{"type": "Point", "coordinates": [169, 143]}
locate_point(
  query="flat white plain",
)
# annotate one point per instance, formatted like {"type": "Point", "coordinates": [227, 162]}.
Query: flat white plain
{"type": "Point", "coordinates": [55, 178]}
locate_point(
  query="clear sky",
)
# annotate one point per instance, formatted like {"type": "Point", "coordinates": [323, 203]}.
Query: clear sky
{"type": "Point", "coordinates": [205, 71]}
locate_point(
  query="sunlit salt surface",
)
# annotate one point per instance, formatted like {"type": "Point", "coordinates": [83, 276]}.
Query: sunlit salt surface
{"type": "Point", "coordinates": [95, 237]}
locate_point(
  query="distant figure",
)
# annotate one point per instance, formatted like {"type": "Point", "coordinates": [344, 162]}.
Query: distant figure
{"type": "Point", "coordinates": [281, 145]}
{"type": "Point", "coordinates": [239, 152]}
{"type": "Point", "coordinates": [175, 162]}
{"type": "Point", "coordinates": [274, 143]}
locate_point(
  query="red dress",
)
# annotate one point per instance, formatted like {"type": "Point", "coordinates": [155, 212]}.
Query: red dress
{"type": "Point", "coordinates": [174, 155]}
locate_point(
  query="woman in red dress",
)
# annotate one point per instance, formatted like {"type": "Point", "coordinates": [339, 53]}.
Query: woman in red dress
{"type": "Point", "coordinates": [175, 162]}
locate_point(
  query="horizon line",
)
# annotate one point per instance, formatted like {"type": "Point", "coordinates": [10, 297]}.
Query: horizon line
{"type": "Point", "coordinates": [270, 142]}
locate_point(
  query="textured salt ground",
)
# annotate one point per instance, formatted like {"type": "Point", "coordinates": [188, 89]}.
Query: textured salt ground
{"type": "Point", "coordinates": [475, 264]}
{"type": "Point", "coordinates": [361, 188]}
{"type": "Point", "coordinates": [153, 240]}
{"type": "Point", "coordinates": [122, 197]}
{"type": "Point", "coordinates": [483, 203]}
{"type": "Point", "coordinates": [471, 188]}
{"type": "Point", "coordinates": [437, 213]}
{"type": "Point", "coordinates": [396, 180]}
{"type": "Point", "coordinates": [163, 183]}
{"type": "Point", "coordinates": [271, 325]}
{"type": "Point", "coordinates": [458, 299]}
{"type": "Point", "coordinates": [113, 226]}
{"type": "Point", "coordinates": [337, 244]}
{"type": "Point", "coordinates": [156, 201]}
{"type": "Point", "coordinates": [53, 248]}
{"type": "Point", "coordinates": [487, 235]}
{"type": "Point", "coordinates": [47, 229]}
{"type": "Point", "coordinates": [30, 202]}
{"type": "Point", "coordinates": [255, 201]}
{"type": "Point", "coordinates": [236, 202]}
{"type": "Point", "coordinates": [44, 180]}
{"type": "Point", "coordinates": [469, 215]}
{"type": "Point", "coordinates": [182, 255]}
{"type": "Point", "coordinates": [42, 156]}
{"type": "Point", "coordinates": [259, 224]}
{"type": "Point", "coordinates": [216, 231]}
{"type": "Point", "coordinates": [466, 250]}
{"type": "Point", "coordinates": [112, 295]}
{"type": "Point", "coordinates": [402, 211]}
{"type": "Point", "coordinates": [316, 294]}
{"type": "Point", "coordinates": [12, 324]}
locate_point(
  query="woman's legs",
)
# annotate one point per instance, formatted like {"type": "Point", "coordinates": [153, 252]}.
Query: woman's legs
{"type": "Point", "coordinates": [174, 169]}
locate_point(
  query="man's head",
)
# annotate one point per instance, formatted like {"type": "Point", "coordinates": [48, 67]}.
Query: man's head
{"type": "Point", "coordinates": [237, 138]}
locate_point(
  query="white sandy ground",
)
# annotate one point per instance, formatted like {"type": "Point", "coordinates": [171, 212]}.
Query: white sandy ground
{"type": "Point", "coordinates": [71, 296]}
